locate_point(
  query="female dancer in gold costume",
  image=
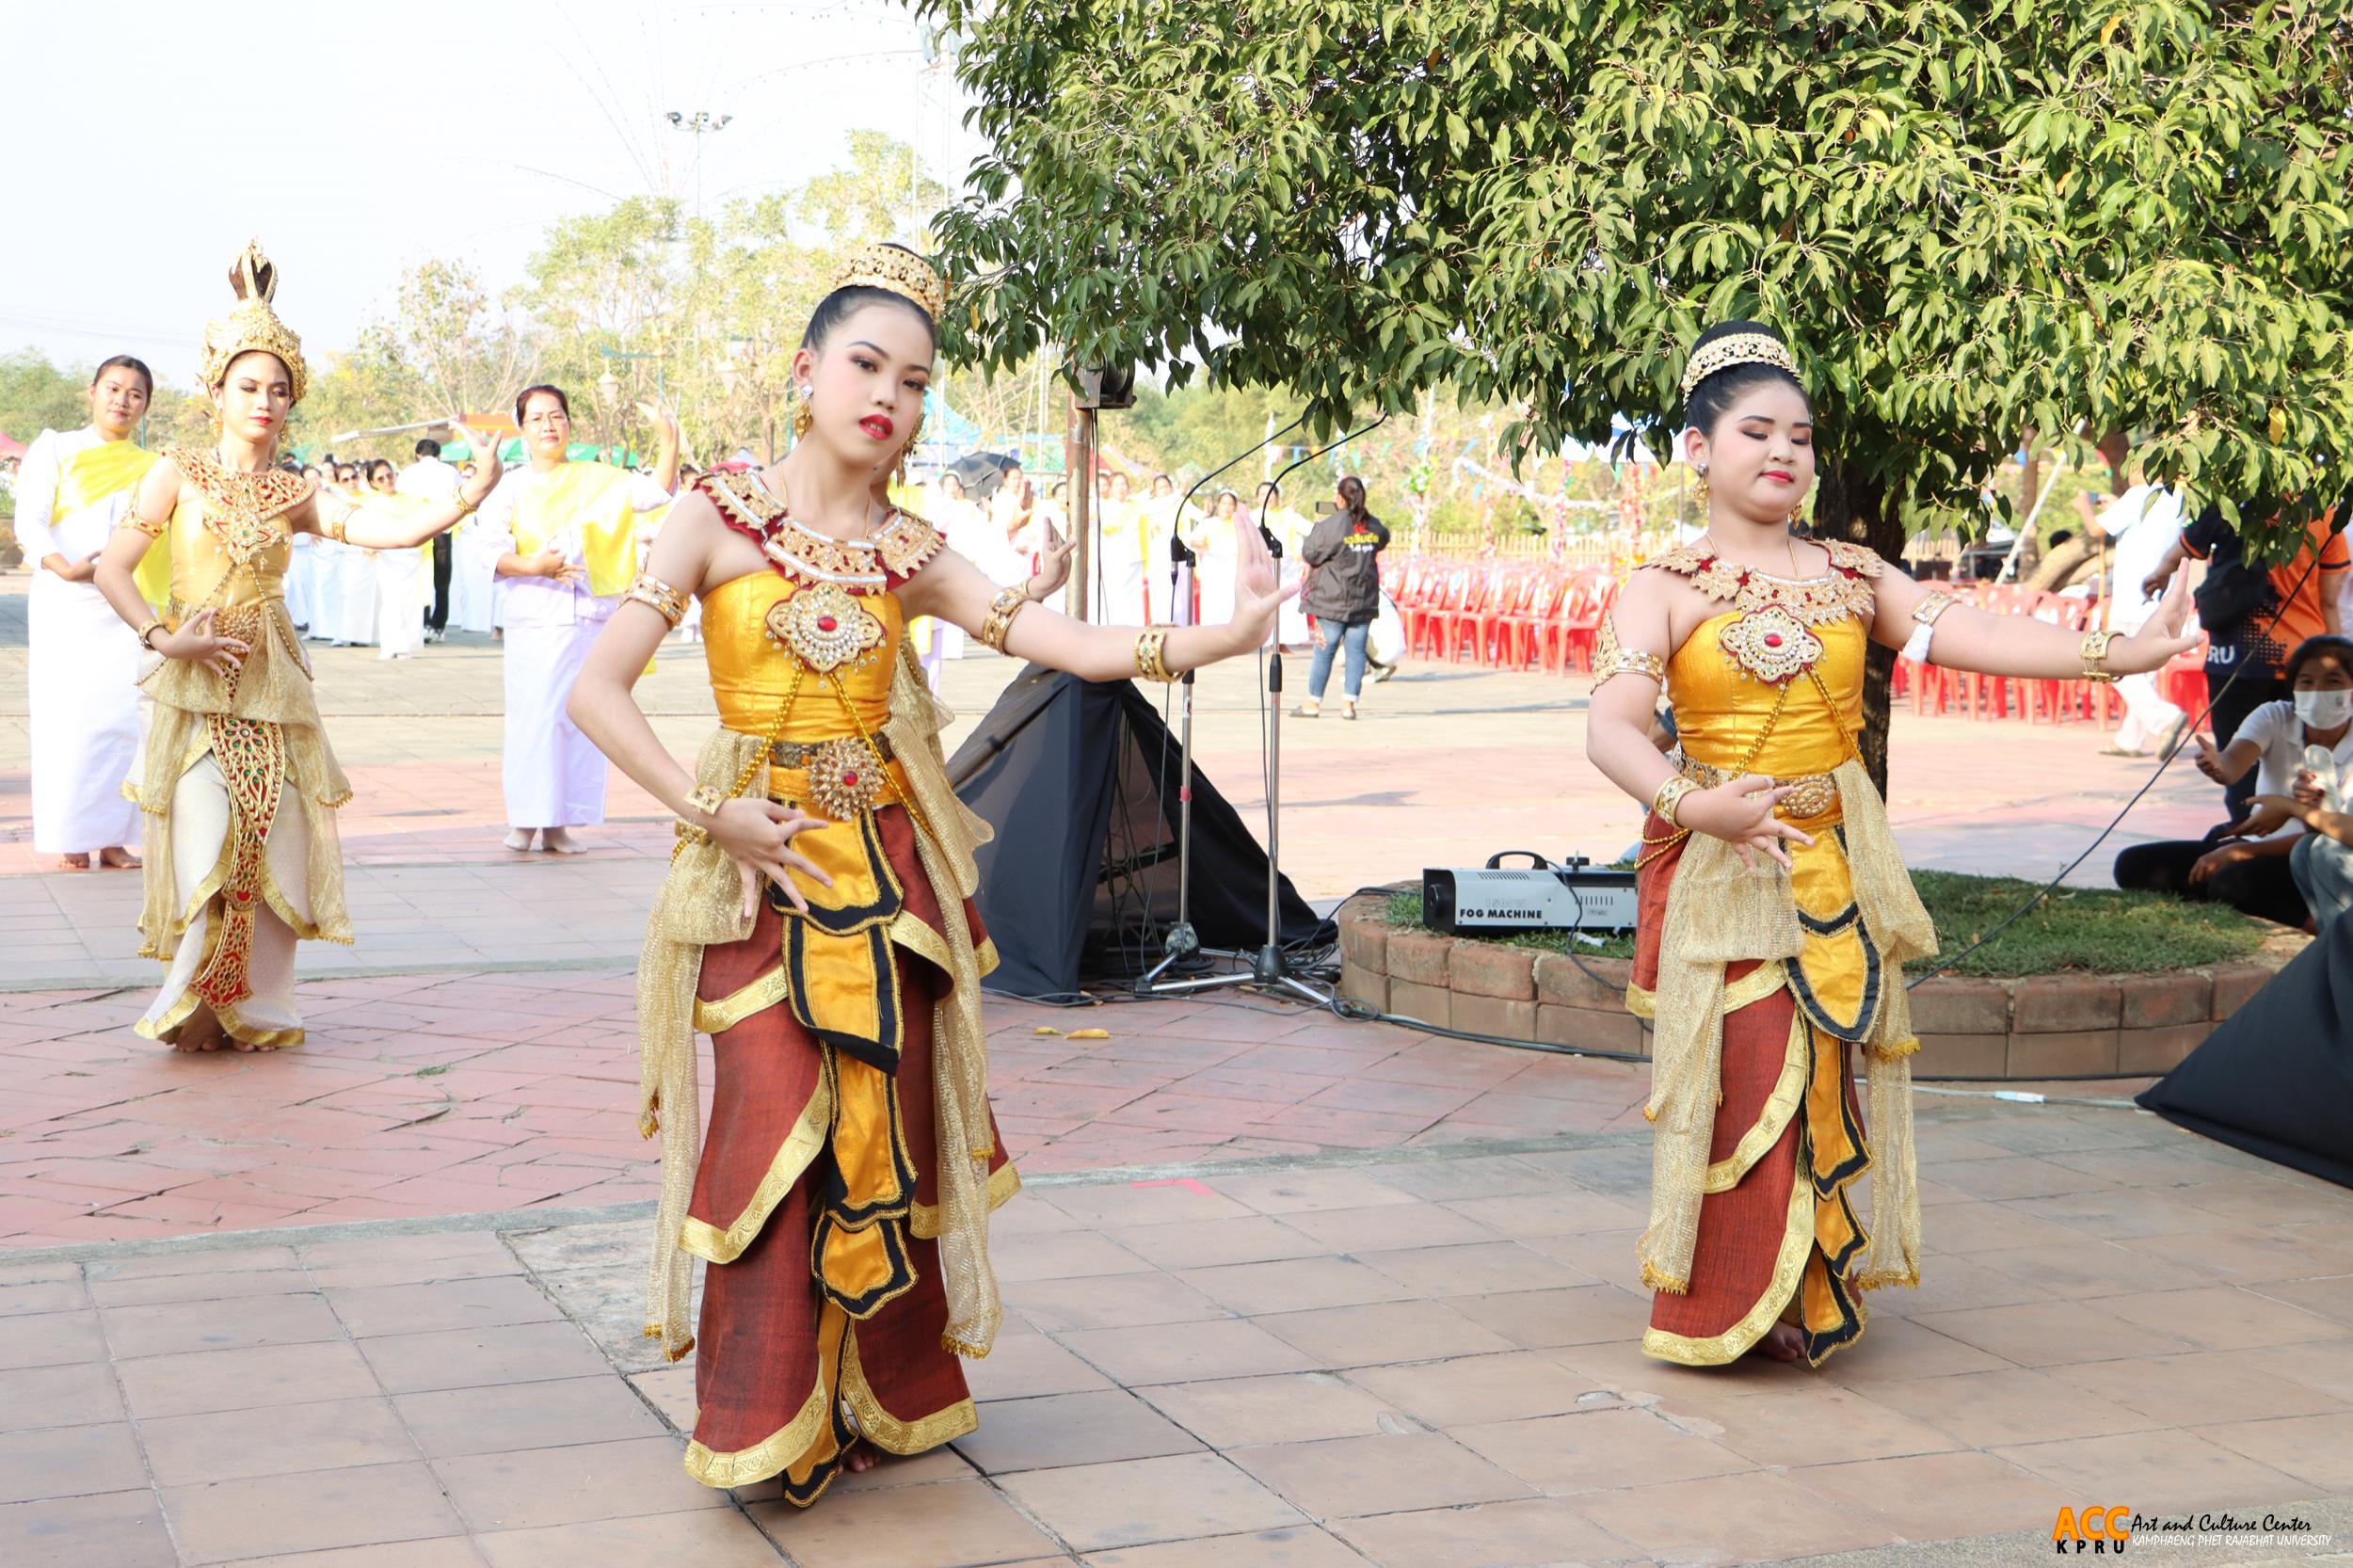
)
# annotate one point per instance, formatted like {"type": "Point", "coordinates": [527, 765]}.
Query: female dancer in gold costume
{"type": "Point", "coordinates": [1776, 914]}
{"type": "Point", "coordinates": [235, 778]}
{"type": "Point", "coordinates": [816, 922]}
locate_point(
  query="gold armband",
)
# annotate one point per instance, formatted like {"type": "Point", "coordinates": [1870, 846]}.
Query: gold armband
{"type": "Point", "coordinates": [658, 596]}
{"type": "Point", "coordinates": [1612, 657]}
{"type": "Point", "coordinates": [153, 530]}
{"type": "Point", "coordinates": [997, 625]}
{"type": "Point", "coordinates": [1152, 654]}
{"type": "Point", "coordinates": [334, 528]}
{"type": "Point", "coordinates": [2095, 652]}
{"type": "Point", "coordinates": [1931, 605]}
{"type": "Point", "coordinates": [1670, 798]}
{"type": "Point", "coordinates": [706, 799]}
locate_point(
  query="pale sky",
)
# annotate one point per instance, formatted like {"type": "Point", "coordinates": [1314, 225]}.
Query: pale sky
{"type": "Point", "coordinates": [151, 139]}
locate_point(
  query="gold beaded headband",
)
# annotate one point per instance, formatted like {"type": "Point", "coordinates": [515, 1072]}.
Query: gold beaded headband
{"type": "Point", "coordinates": [896, 271]}
{"type": "Point", "coordinates": [1741, 349]}
{"type": "Point", "coordinates": [251, 325]}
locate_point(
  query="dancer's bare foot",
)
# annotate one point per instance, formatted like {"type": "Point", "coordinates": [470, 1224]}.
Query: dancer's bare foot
{"type": "Point", "coordinates": [73, 862]}
{"type": "Point", "coordinates": [116, 858]}
{"type": "Point", "coordinates": [862, 1457]}
{"type": "Point", "coordinates": [520, 838]}
{"type": "Point", "coordinates": [556, 841]}
{"type": "Point", "coordinates": [1782, 1342]}
{"type": "Point", "coordinates": [202, 1031]}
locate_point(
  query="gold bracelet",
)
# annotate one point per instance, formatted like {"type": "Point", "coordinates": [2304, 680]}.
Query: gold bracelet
{"type": "Point", "coordinates": [147, 631]}
{"type": "Point", "coordinates": [997, 625]}
{"type": "Point", "coordinates": [2095, 653]}
{"type": "Point", "coordinates": [1931, 605]}
{"type": "Point", "coordinates": [1670, 798]}
{"type": "Point", "coordinates": [1152, 654]}
{"type": "Point", "coordinates": [658, 596]}
{"type": "Point", "coordinates": [336, 529]}
{"type": "Point", "coordinates": [465, 508]}
{"type": "Point", "coordinates": [706, 799]}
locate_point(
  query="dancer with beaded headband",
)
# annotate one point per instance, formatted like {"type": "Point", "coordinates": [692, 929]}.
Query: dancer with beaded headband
{"type": "Point", "coordinates": [1776, 914]}
{"type": "Point", "coordinates": [235, 781]}
{"type": "Point", "coordinates": [817, 921]}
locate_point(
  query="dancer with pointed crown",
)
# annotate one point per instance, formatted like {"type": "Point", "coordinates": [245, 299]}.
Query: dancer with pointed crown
{"type": "Point", "coordinates": [817, 921]}
{"type": "Point", "coordinates": [1775, 913]}
{"type": "Point", "coordinates": [235, 781]}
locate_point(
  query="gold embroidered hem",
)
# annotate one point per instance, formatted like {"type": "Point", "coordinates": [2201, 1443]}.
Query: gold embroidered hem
{"type": "Point", "coordinates": [1755, 986]}
{"type": "Point", "coordinates": [1716, 1349]}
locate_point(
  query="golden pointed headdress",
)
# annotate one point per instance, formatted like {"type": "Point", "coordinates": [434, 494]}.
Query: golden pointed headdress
{"type": "Point", "coordinates": [1739, 348]}
{"type": "Point", "coordinates": [897, 270]}
{"type": "Point", "coordinates": [251, 325]}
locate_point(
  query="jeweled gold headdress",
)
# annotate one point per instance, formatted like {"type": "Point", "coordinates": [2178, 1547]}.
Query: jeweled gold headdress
{"type": "Point", "coordinates": [251, 325]}
{"type": "Point", "coordinates": [898, 271]}
{"type": "Point", "coordinates": [1741, 348]}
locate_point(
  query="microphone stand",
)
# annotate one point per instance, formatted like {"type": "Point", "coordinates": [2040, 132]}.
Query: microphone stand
{"type": "Point", "coordinates": [1269, 968]}
{"type": "Point", "coordinates": [1182, 941]}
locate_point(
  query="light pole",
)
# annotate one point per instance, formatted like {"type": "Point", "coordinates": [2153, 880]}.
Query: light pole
{"type": "Point", "coordinates": [702, 122]}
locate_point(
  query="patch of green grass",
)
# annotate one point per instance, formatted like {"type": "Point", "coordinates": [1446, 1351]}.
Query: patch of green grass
{"type": "Point", "coordinates": [2099, 930]}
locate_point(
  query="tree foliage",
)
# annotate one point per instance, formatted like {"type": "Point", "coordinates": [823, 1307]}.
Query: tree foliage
{"type": "Point", "coordinates": [1972, 221]}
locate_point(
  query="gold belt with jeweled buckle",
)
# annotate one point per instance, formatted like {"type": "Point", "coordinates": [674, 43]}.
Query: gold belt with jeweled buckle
{"type": "Point", "coordinates": [794, 754]}
{"type": "Point", "coordinates": [1810, 793]}
{"type": "Point", "coordinates": [846, 776]}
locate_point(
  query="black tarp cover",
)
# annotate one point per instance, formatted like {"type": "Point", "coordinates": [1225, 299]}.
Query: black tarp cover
{"type": "Point", "coordinates": [2276, 1079]}
{"type": "Point", "coordinates": [1079, 778]}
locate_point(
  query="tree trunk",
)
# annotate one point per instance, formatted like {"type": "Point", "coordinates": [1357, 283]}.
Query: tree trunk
{"type": "Point", "coordinates": [1850, 507]}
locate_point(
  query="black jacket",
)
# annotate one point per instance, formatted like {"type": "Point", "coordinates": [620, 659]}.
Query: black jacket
{"type": "Point", "coordinates": [1344, 549]}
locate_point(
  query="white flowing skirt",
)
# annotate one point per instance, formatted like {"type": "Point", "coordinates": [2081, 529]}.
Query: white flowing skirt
{"type": "Point", "coordinates": [301, 584]}
{"type": "Point", "coordinates": [553, 776]}
{"type": "Point", "coordinates": [82, 669]}
{"type": "Point", "coordinates": [354, 583]}
{"type": "Point", "coordinates": [404, 588]}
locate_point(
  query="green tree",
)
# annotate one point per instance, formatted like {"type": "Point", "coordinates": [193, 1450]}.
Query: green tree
{"type": "Point", "coordinates": [36, 395]}
{"type": "Point", "coordinates": [1972, 221]}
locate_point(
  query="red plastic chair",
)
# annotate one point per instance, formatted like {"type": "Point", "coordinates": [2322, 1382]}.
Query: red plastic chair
{"type": "Point", "coordinates": [1426, 624]}
{"type": "Point", "coordinates": [1533, 631]}
{"type": "Point", "coordinates": [1588, 599]}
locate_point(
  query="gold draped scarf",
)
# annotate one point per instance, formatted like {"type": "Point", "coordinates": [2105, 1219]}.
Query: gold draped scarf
{"type": "Point", "coordinates": [1721, 911]}
{"type": "Point", "coordinates": [701, 904]}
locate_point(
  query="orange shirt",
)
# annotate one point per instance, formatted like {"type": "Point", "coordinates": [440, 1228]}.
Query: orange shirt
{"type": "Point", "coordinates": [2297, 589]}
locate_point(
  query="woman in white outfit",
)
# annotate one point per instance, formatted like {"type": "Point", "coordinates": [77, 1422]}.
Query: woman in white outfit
{"type": "Point", "coordinates": [82, 666]}
{"type": "Point", "coordinates": [355, 578]}
{"type": "Point", "coordinates": [403, 580]}
{"type": "Point", "coordinates": [561, 537]}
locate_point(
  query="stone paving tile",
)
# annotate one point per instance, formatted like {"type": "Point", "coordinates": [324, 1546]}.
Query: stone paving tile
{"type": "Point", "coordinates": [1170, 1413]}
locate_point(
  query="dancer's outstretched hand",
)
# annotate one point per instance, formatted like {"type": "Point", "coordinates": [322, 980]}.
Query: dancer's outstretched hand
{"type": "Point", "coordinates": [758, 834]}
{"type": "Point", "coordinates": [486, 460]}
{"type": "Point", "coordinates": [2167, 632]}
{"type": "Point", "coordinates": [1741, 814]}
{"type": "Point", "coordinates": [1259, 591]}
{"type": "Point", "coordinates": [1054, 568]}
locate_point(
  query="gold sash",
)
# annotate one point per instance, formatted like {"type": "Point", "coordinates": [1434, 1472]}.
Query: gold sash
{"type": "Point", "coordinates": [596, 496]}
{"type": "Point", "coordinates": [100, 472]}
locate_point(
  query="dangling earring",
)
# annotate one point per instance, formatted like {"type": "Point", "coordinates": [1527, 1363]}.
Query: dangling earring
{"type": "Point", "coordinates": [803, 417]}
{"type": "Point", "coordinates": [899, 472]}
{"type": "Point", "coordinates": [1701, 468]}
